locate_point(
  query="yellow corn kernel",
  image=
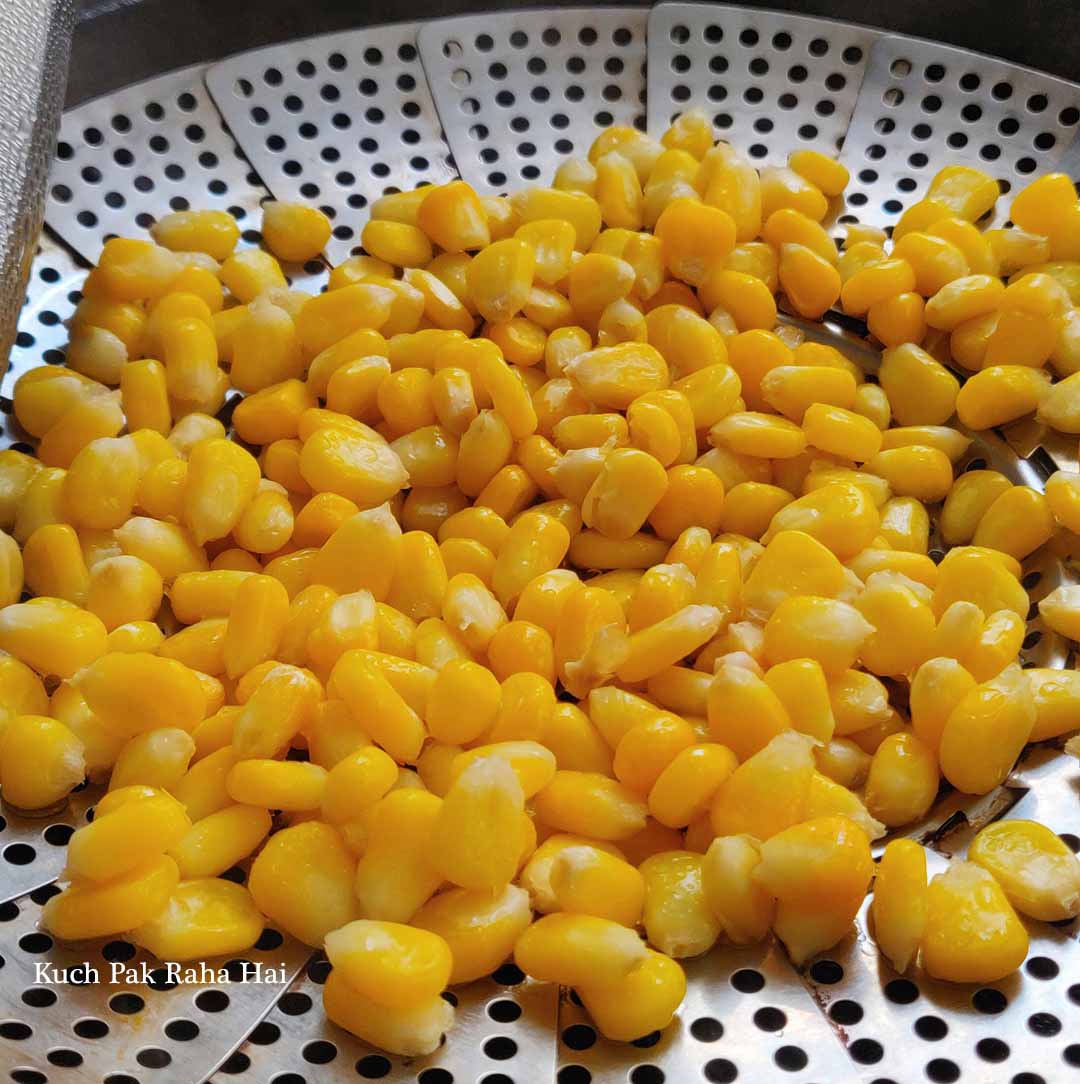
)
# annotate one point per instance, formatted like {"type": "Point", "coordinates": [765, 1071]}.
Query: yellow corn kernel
{"type": "Point", "coordinates": [526, 700]}
{"type": "Point", "coordinates": [1003, 706]}
{"type": "Point", "coordinates": [840, 515]}
{"type": "Point", "coordinates": [743, 711]}
{"type": "Point", "coordinates": [212, 232]}
{"type": "Point", "coordinates": [281, 705]}
{"type": "Point", "coordinates": [303, 881]}
{"type": "Point", "coordinates": [972, 933]}
{"type": "Point", "coordinates": [590, 804]}
{"type": "Point", "coordinates": [793, 389]}
{"type": "Point", "coordinates": [428, 509]}
{"type": "Point", "coordinates": [694, 497]}
{"type": "Point", "coordinates": [819, 871]}
{"type": "Point", "coordinates": [411, 1032]}
{"type": "Point", "coordinates": [41, 760]}
{"type": "Point", "coordinates": [204, 917]}
{"type": "Point", "coordinates": [124, 838]}
{"type": "Point", "coordinates": [257, 620]}
{"type": "Point", "coordinates": [85, 910]}
{"type": "Point", "coordinates": [294, 232]}
{"type": "Point", "coordinates": [920, 390]}
{"type": "Point", "coordinates": [1038, 873]}
{"type": "Point", "coordinates": [52, 636]}
{"type": "Point", "coordinates": [900, 902]}
{"type": "Point", "coordinates": [903, 780]}
{"type": "Point", "coordinates": [88, 419]}
{"type": "Point", "coordinates": [510, 491]}
{"type": "Point", "coordinates": [96, 353]}
{"type": "Point", "coordinates": [393, 964]}
{"type": "Point", "coordinates": [683, 791]}
{"type": "Point", "coordinates": [678, 919]}
{"type": "Point", "coordinates": [914, 471]}
{"type": "Point", "coordinates": [476, 837]}
{"type": "Point", "coordinates": [277, 784]}
{"type": "Point", "coordinates": [784, 769]}
{"type": "Point", "coordinates": [641, 1004]}
{"type": "Point", "coordinates": [784, 187]}
{"type": "Point", "coordinates": [378, 706]}
{"type": "Point", "coordinates": [1001, 394]}
{"type": "Point", "coordinates": [841, 432]}
{"type": "Point", "coordinates": [1018, 522]}
{"type": "Point", "coordinates": [123, 589]}
{"type": "Point", "coordinates": [811, 283]}
{"type": "Point", "coordinates": [53, 565]}
{"type": "Point", "coordinates": [576, 948]}
{"type": "Point", "coordinates": [743, 908]}
{"type": "Point", "coordinates": [356, 782]}
{"type": "Point", "coordinates": [898, 319]}
{"type": "Point", "coordinates": [694, 237]}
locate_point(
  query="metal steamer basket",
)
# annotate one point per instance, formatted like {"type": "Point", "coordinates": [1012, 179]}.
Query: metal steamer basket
{"type": "Point", "coordinates": [500, 98]}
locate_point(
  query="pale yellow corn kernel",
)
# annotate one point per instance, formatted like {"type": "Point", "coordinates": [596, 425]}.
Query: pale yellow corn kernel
{"type": "Point", "coordinates": [678, 920]}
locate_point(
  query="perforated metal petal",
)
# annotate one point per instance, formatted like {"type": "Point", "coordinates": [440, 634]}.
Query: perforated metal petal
{"type": "Point", "coordinates": [772, 82]}
{"type": "Point", "coordinates": [518, 91]}
{"type": "Point", "coordinates": [126, 159]}
{"type": "Point", "coordinates": [924, 106]}
{"type": "Point", "coordinates": [52, 293]}
{"type": "Point", "coordinates": [502, 1028]}
{"type": "Point", "coordinates": [336, 121]}
{"type": "Point", "coordinates": [121, 1028]}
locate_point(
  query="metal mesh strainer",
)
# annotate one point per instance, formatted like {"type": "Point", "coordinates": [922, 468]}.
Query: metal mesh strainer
{"type": "Point", "coordinates": [501, 97]}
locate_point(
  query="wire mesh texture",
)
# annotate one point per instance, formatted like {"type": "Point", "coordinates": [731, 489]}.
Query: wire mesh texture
{"type": "Point", "coordinates": [500, 98]}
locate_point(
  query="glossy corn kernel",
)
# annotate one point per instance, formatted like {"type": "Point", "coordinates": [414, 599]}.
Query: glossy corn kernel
{"type": "Point", "coordinates": [900, 902]}
{"type": "Point", "coordinates": [743, 908]}
{"type": "Point", "coordinates": [972, 933]}
{"type": "Point", "coordinates": [86, 909]}
{"type": "Point", "coordinates": [574, 949]}
{"type": "Point", "coordinates": [203, 917]}
{"type": "Point", "coordinates": [1038, 873]}
{"type": "Point", "coordinates": [154, 758]}
{"type": "Point", "coordinates": [590, 804]}
{"type": "Point", "coordinates": [784, 768]}
{"type": "Point", "coordinates": [395, 877]}
{"type": "Point", "coordinates": [744, 713]}
{"type": "Point", "coordinates": [41, 760]}
{"type": "Point", "coordinates": [641, 1004]}
{"type": "Point", "coordinates": [819, 871]}
{"type": "Point", "coordinates": [390, 963]}
{"type": "Point", "coordinates": [133, 833]}
{"type": "Point", "coordinates": [410, 1032]}
{"type": "Point", "coordinates": [1003, 707]}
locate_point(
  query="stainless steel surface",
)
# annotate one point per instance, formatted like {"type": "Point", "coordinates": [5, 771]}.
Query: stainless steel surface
{"type": "Point", "coordinates": [35, 36]}
{"type": "Point", "coordinates": [154, 1030]}
{"type": "Point", "coordinates": [749, 1015]}
{"type": "Point", "coordinates": [336, 121]}
{"type": "Point", "coordinates": [772, 81]}
{"type": "Point", "coordinates": [518, 91]}
{"type": "Point", "coordinates": [923, 105]}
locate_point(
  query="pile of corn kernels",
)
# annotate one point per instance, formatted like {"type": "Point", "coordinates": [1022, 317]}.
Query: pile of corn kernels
{"type": "Point", "coordinates": [545, 598]}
